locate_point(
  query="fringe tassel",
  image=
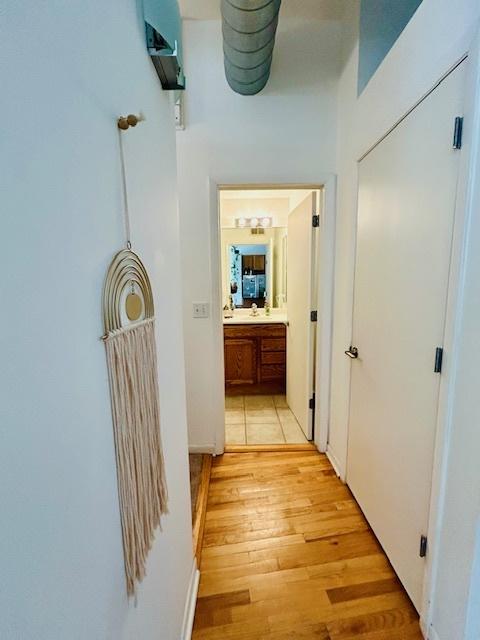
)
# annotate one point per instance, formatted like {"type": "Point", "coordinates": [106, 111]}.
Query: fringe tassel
{"type": "Point", "coordinates": [132, 366]}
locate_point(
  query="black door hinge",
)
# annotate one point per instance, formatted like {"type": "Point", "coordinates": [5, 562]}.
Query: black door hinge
{"type": "Point", "coordinates": [438, 360]}
{"type": "Point", "coordinates": [313, 316]}
{"type": "Point", "coordinates": [423, 546]}
{"type": "Point", "coordinates": [315, 220]}
{"type": "Point", "coordinates": [311, 402]}
{"type": "Point", "coordinates": [458, 133]}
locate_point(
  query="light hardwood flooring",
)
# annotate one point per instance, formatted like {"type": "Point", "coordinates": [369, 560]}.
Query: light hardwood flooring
{"type": "Point", "coordinates": [288, 555]}
{"type": "Point", "coordinates": [257, 420]}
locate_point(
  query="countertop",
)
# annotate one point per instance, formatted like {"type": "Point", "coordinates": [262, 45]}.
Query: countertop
{"type": "Point", "coordinates": [241, 316]}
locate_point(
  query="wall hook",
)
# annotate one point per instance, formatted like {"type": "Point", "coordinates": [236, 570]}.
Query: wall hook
{"type": "Point", "coordinates": [125, 122]}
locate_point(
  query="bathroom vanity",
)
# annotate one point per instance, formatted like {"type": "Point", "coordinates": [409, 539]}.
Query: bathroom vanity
{"type": "Point", "coordinates": [255, 354]}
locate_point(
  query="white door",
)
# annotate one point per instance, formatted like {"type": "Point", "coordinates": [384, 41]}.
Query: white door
{"type": "Point", "coordinates": [300, 333]}
{"type": "Point", "coordinates": [407, 188]}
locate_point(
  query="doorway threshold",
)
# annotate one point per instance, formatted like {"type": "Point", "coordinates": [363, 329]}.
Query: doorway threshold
{"type": "Point", "coordinates": [251, 448]}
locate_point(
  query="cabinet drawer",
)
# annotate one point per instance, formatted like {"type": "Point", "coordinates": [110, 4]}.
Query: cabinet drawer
{"type": "Point", "coordinates": [273, 344]}
{"type": "Point", "coordinates": [254, 331]}
{"type": "Point", "coordinates": [272, 371]}
{"type": "Point", "coordinates": [274, 357]}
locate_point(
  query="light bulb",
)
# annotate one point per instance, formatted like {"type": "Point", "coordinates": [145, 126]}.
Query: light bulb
{"type": "Point", "coordinates": [265, 222]}
{"type": "Point", "coordinates": [254, 222]}
{"type": "Point", "coordinates": [241, 222]}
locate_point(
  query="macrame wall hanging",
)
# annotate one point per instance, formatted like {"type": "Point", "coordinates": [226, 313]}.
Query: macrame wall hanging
{"type": "Point", "coordinates": [129, 338]}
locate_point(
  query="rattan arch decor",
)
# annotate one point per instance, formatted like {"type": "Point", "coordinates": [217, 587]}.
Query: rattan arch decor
{"type": "Point", "coordinates": [128, 314]}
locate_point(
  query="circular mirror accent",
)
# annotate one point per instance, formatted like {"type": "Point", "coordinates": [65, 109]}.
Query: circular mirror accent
{"type": "Point", "coordinates": [133, 306]}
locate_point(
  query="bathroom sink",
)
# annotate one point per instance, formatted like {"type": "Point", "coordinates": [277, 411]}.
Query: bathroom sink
{"type": "Point", "coordinates": [240, 317]}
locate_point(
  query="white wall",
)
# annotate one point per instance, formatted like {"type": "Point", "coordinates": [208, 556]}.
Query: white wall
{"type": "Point", "coordinates": [345, 242]}
{"type": "Point", "coordinates": [67, 71]}
{"type": "Point", "coordinates": [286, 134]}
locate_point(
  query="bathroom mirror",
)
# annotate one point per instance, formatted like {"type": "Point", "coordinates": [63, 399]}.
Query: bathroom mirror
{"type": "Point", "coordinates": [254, 266]}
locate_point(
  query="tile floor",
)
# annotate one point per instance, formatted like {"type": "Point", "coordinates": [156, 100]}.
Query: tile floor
{"type": "Point", "coordinates": [260, 420]}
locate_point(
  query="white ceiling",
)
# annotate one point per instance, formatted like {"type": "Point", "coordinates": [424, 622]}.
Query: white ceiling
{"type": "Point", "coordinates": [311, 9]}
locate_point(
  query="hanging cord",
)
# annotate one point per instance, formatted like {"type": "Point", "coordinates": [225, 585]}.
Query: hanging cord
{"type": "Point", "coordinates": [124, 123]}
{"type": "Point", "coordinates": [124, 189]}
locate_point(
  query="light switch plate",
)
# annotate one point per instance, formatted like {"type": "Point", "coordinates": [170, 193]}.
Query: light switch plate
{"type": "Point", "coordinates": [201, 309]}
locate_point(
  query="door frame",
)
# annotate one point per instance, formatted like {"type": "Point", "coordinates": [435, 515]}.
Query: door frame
{"type": "Point", "coordinates": [451, 285]}
{"type": "Point", "coordinates": [465, 208]}
{"type": "Point", "coordinates": [324, 327]}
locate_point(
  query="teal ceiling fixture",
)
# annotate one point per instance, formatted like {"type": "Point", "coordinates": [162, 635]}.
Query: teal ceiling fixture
{"type": "Point", "coordinates": [249, 28]}
{"type": "Point", "coordinates": [163, 26]}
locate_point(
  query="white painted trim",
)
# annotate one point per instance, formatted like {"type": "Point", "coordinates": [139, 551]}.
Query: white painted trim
{"type": "Point", "coordinates": [465, 208]}
{"type": "Point", "coordinates": [217, 374]}
{"type": "Point", "coordinates": [323, 365]}
{"type": "Point", "coordinates": [201, 448]}
{"type": "Point", "coordinates": [328, 183]}
{"type": "Point", "coordinates": [423, 627]}
{"type": "Point", "coordinates": [334, 462]}
{"type": "Point", "coordinates": [190, 603]}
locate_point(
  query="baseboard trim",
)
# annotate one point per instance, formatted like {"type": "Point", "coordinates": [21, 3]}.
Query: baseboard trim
{"type": "Point", "coordinates": [201, 507]}
{"type": "Point", "coordinates": [190, 602]}
{"type": "Point", "coordinates": [432, 634]}
{"type": "Point", "coordinates": [334, 462]}
{"type": "Point", "coordinates": [423, 626]}
{"type": "Point", "coordinates": [201, 448]}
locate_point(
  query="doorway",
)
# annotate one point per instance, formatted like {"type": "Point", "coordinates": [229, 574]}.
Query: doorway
{"type": "Point", "coordinates": [270, 241]}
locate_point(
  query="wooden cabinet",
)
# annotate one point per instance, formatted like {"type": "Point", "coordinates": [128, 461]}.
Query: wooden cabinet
{"type": "Point", "coordinates": [255, 358]}
{"type": "Point", "coordinates": [256, 264]}
{"type": "Point", "coordinates": [240, 361]}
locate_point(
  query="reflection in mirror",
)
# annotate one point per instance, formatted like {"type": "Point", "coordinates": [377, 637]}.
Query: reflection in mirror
{"type": "Point", "coordinates": [254, 267]}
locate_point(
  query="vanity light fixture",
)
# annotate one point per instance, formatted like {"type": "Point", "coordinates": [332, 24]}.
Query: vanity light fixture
{"type": "Point", "coordinates": [253, 223]}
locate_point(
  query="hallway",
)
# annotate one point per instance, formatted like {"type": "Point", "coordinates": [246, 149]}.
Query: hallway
{"type": "Point", "coordinates": [288, 554]}
{"type": "Point", "coordinates": [160, 467]}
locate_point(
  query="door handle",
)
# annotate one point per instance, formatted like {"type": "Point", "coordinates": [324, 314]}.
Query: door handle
{"type": "Point", "coordinates": [352, 352]}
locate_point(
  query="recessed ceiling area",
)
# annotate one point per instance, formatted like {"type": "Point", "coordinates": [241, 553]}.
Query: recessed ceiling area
{"type": "Point", "coordinates": [310, 9]}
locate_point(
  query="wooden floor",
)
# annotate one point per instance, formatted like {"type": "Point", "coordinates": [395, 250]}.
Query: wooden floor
{"type": "Point", "coordinates": [288, 555]}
